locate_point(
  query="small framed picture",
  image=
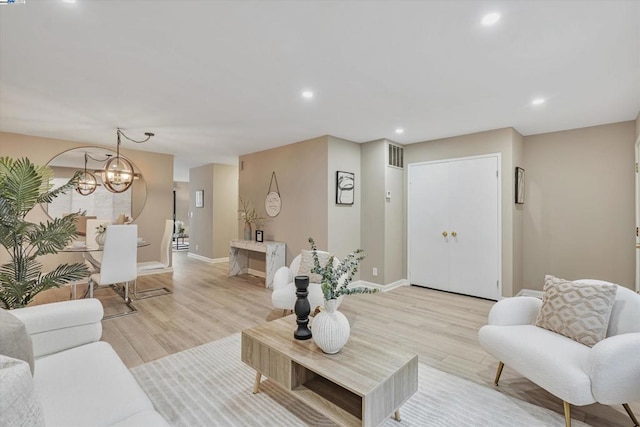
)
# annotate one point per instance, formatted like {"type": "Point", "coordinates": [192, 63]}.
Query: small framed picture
{"type": "Point", "coordinates": [259, 236]}
{"type": "Point", "coordinates": [519, 186]}
{"type": "Point", "coordinates": [345, 188]}
{"type": "Point", "coordinates": [199, 198]}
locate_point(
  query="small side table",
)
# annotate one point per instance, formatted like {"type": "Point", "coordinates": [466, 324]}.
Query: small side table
{"type": "Point", "coordinates": [176, 240]}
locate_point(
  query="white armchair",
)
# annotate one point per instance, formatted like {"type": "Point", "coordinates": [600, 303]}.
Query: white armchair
{"type": "Point", "coordinates": [607, 373]}
{"type": "Point", "coordinates": [284, 288]}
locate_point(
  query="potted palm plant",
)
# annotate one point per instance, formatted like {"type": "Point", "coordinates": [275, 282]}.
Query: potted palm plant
{"type": "Point", "coordinates": [23, 185]}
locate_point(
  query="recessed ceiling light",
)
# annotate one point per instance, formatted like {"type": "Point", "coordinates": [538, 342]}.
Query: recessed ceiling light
{"type": "Point", "coordinates": [490, 19]}
{"type": "Point", "coordinates": [399, 131]}
{"type": "Point", "coordinates": [538, 101]}
{"type": "Point", "coordinates": [68, 1]}
{"type": "Point", "coordinates": [307, 94]}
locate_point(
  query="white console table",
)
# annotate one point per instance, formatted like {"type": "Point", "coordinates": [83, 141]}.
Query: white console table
{"type": "Point", "coordinates": [275, 253]}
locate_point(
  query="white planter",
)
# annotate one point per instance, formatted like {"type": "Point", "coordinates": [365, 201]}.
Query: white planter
{"type": "Point", "coordinates": [330, 329]}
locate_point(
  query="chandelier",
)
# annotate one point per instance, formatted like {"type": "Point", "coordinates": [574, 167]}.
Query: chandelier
{"type": "Point", "coordinates": [87, 182]}
{"type": "Point", "coordinates": [118, 173]}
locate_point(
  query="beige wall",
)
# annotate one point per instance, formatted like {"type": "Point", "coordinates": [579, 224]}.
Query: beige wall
{"type": "Point", "coordinates": [382, 220]}
{"type": "Point", "coordinates": [201, 222]}
{"type": "Point", "coordinates": [225, 208]}
{"type": "Point", "coordinates": [343, 221]}
{"type": "Point", "coordinates": [157, 170]}
{"type": "Point", "coordinates": [518, 214]}
{"type": "Point", "coordinates": [301, 170]}
{"type": "Point", "coordinates": [372, 225]}
{"type": "Point", "coordinates": [494, 141]}
{"type": "Point", "coordinates": [395, 246]}
{"type": "Point", "coordinates": [579, 210]}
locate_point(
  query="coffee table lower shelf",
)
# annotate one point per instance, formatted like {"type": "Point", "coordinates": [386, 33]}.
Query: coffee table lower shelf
{"type": "Point", "coordinates": [334, 385]}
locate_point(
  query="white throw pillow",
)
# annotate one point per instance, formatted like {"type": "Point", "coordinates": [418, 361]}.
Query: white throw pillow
{"type": "Point", "coordinates": [307, 264]}
{"type": "Point", "coordinates": [18, 404]}
{"type": "Point", "coordinates": [576, 310]}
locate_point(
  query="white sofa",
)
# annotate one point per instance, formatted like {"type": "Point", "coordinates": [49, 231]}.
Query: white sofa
{"type": "Point", "coordinates": [607, 373]}
{"type": "Point", "coordinates": [79, 380]}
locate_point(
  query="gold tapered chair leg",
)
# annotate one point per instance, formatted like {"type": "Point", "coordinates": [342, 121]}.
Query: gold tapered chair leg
{"type": "Point", "coordinates": [631, 415]}
{"type": "Point", "coordinates": [498, 373]}
{"type": "Point", "coordinates": [567, 414]}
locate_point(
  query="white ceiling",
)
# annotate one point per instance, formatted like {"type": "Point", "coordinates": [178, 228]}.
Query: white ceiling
{"type": "Point", "coordinates": [217, 79]}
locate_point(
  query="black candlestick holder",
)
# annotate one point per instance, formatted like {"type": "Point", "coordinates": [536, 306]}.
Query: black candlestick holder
{"type": "Point", "coordinates": [302, 308]}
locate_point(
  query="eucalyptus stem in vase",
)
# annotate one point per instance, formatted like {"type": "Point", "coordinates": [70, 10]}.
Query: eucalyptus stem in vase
{"type": "Point", "coordinates": [330, 327]}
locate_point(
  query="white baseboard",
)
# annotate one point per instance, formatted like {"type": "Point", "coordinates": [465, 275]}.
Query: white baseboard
{"type": "Point", "coordinates": [209, 260]}
{"type": "Point", "coordinates": [383, 288]}
{"type": "Point", "coordinates": [155, 271]}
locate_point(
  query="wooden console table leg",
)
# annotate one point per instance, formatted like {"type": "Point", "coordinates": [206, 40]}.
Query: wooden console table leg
{"type": "Point", "coordinates": [257, 383]}
{"type": "Point", "coordinates": [397, 415]}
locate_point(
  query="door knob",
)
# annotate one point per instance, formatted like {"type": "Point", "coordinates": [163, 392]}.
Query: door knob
{"type": "Point", "coordinates": [445, 234]}
{"type": "Point", "coordinates": [454, 234]}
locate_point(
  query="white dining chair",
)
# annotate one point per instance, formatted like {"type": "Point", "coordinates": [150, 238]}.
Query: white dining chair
{"type": "Point", "coordinates": [162, 266]}
{"type": "Point", "coordinates": [119, 260]}
{"type": "Point", "coordinates": [94, 258]}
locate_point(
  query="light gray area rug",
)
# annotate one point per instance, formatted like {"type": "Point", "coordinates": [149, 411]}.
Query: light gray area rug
{"type": "Point", "coordinates": [209, 386]}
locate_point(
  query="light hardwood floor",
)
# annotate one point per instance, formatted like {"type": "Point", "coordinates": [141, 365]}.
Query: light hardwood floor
{"type": "Point", "coordinates": [208, 305]}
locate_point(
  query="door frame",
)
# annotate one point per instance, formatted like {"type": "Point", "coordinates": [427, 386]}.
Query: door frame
{"type": "Point", "coordinates": [499, 201]}
{"type": "Point", "coordinates": [637, 181]}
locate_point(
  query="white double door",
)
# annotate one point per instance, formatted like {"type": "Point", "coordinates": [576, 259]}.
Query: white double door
{"type": "Point", "coordinates": [454, 228]}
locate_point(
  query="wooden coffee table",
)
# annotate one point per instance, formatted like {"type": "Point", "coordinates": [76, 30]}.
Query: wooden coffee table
{"type": "Point", "coordinates": [362, 385]}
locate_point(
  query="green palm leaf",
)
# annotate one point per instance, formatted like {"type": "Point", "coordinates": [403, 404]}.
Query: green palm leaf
{"type": "Point", "coordinates": [22, 186]}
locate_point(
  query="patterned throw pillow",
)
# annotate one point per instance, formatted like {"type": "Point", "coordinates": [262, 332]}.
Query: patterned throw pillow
{"type": "Point", "coordinates": [576, 310]}
{"type": "Point", "coordinates": [18, 404]}
{"type": "Point", "coordinates": [306, 265]}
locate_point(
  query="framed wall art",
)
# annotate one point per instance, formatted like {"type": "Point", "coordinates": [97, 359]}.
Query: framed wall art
{"type": "Point", "coordinates": [199, 198]}
{"type": "Point", "coordinates": [345, 188]}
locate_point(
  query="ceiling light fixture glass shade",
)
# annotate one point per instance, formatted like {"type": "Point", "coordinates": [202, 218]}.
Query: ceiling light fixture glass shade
{"type": "Point", "coordinates": [118, 174]}
{"type": "Point", "coordinates": [87, 182]}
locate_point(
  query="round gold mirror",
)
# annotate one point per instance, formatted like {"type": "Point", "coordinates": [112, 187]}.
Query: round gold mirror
{"type": "Point", "coordinates": [99, 203]}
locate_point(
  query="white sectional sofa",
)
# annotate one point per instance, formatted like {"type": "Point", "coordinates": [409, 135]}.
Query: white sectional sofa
{"type": "Point", "coordinates": [79, 380]}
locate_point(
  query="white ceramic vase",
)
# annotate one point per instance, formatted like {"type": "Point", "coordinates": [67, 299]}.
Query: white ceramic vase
{"type": "Point", "coordinates": [330, 329]}
{"type": "Point", "coordinates": [247, 231]}
{"type": "Point", "coordinates": [100, 238]}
